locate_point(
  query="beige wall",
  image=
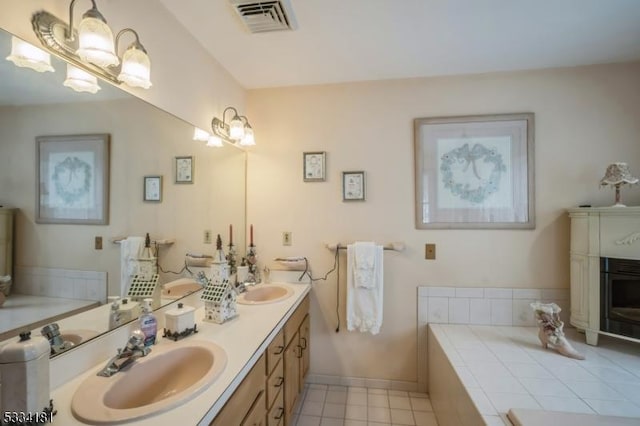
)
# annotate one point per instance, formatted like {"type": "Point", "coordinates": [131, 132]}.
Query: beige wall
{"type": "Point", "coordinates": [585, 118]}
{"type": "Point", "coordinates": [187, 81]}
{"type": "Point", "coordinates": [144, 141]}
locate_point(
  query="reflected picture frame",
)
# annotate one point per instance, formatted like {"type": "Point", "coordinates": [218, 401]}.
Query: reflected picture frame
{"type": "Point", "coordinates": [475, 172]}
{"type": "Point", "coordinates": [72, 179]}
{"type": "Point", "coordinates": [152, 189]}
{"type": "Point", "coordinates": [184, 168]}
{"type": "Point", "coordinates": [314, 166]}
{"type": "Point", "coordinates": [353, 186]}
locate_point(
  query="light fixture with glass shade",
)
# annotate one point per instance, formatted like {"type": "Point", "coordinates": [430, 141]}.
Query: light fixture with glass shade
{"type": "Point", "coordinates": [237, 131]}
{"type": "Point", "coordinates": [215, 141]}
{"type": "Point", "coordinates": [26, 55]}
{"type": "Point", "coordinates": [80, 80]}
{"type": "Point", "coordinates": [200, 135]}
{"type": "Point", "coordinates": [92, 47]}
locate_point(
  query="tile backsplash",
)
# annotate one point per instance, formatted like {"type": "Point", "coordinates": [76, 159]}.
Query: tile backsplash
{"type": "Point", "coordinates": [66, 283]}
{"type": "Point", "coordinates": [486, 306]}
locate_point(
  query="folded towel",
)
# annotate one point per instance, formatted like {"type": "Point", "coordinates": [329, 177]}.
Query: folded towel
{"type": "Point", "coordinates": [130, 250]}
{"type": "Point", "coordinates": [364, 264]}
{"type": "Point", "coordinates": [364, 303]}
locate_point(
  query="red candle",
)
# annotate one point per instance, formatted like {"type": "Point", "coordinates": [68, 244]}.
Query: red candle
{"type": "Point", "coordinates": [251, 235]}
{"type": "Point", "coordinates": [230, 234]}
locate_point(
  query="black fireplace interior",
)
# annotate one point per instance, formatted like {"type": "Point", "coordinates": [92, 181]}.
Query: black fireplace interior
{"type": "Point", "coordinates": [620, 296]}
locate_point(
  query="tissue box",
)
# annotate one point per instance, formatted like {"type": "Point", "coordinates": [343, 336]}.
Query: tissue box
{"type": "Point", "coordinates": [180, 319]}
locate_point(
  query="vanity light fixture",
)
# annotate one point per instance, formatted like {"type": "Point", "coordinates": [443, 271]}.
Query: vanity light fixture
{"type": "Point", "coordinates": [80, 80]}
{"type": "Point", "coordinates": [92, 47]}
{"type": "Point", "coordinates": [214, 141]}
{"type": "Point", "coordinates": [200, 135]}
{"type": "Point", "coordinates": [237, 130]}
{"type": "Point", "coordinates": [26, 55]}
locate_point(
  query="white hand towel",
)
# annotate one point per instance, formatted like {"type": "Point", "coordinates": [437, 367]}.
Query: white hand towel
{"type": "Point", "coordinates": [364, 264]}
{"type": "Point", "coordinates": [364, 304]}
{"type": "Point", "coordinates": [130, 249]}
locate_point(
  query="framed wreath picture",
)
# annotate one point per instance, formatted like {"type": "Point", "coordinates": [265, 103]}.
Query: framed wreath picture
{"type": "Point", "coordinates": [475, 172]}
{"type": "Point", "coordinates": [353, 186]}
{"type": "Point", "coordinates": [72, 179]}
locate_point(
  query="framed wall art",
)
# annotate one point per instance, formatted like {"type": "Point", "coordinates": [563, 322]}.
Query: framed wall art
{"type": "Point", "coordinates": [184, 169]}
{"type": "Point", "coordinates": [475, 172]}
{"type": "Point", "coordinates": [314, 166]}
{"type": "Point", "coordinates": [72, 179]}
{"type": "Point", "coordinates": [152, 188]}
{"type": "Point", "coordinates": [353, 186]}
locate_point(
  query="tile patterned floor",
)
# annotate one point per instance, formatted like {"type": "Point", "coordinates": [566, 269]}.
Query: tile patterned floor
{"type": "Point", "coordinates": [322, 405]}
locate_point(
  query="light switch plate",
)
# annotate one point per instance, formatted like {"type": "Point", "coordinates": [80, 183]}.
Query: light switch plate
{"type": "Point", "coordinates": [430, 251]}
{"type": "Point", "coordinates": [286, 238]}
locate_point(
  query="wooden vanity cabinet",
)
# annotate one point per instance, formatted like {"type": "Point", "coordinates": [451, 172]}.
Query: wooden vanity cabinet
{"type": "Point", "coordinates": [275, 381]}
{"type": "Point", "coordinates": [296, 357]}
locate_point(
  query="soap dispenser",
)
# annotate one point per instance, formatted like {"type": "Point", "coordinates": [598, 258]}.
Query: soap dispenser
{"type": "Point", "coordinates": [24, 375]}
{"type": "Point", "coordinates": [114, 314]}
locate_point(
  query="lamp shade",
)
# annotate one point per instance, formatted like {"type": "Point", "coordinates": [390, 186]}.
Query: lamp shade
{"type": "Point", "coordinates": [136, 68]}
{"type": "Point", "coordinates": [26, 55]}
{"type": "Point", "coordinates": [248, 138]}
{"type": "Point", "coordinates": [81, 81]}
{"type": "Point", "coordinates": [200, 135]}
{"type": "Point", "coordinates": [95, 41]}
{"type": "Point", "coordinates": [618, 174]}
{"type": "Point", "coordinates": [236, 128]}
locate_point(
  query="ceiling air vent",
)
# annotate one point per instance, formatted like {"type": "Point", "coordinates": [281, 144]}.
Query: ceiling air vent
{"type": "Point", "coordinates": [265, 16]}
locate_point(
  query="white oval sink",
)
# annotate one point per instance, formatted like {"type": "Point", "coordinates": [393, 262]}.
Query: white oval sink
{"type": "Point", "coordinates": [78, 336]}
{"type": "Point", "coordinates": [179, 288]}
{"type": "Point", "coordinates": [162, 380]}
{"type": "Point", "coordinates": [265, 293]}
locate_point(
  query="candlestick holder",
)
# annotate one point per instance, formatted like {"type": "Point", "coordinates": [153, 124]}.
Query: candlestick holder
{"type": "Point", "coordinates": [231, 260]}
{"type": "Point", "coordinates": [252, 261]}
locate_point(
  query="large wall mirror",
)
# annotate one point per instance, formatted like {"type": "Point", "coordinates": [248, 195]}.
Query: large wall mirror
{"type": "Point", "coordinates": [63, 261]}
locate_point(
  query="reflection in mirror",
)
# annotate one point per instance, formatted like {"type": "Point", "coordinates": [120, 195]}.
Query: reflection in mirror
{"type": "Point", "coordinates": [64, 272]}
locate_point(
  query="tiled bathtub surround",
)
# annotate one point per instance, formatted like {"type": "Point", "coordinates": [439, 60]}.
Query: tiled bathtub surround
{"type": "Point", "coordinates": [505, 367]}
{"type": "Point", "coordinates": [65, 283]}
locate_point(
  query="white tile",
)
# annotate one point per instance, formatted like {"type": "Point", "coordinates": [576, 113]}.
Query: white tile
{"type": "Point", "coordinates": [327, 421]}
{"type": "Point", "coordinates": [614, 408]}
{"type": "Point", "coordinates": [500, 384]}
{"type": "Point", "coordinates": [424, 418]}
{"type": "Point", "coordinates": [527, 293]}
{"type": "Point", "coordinates": [316, 395]}
{"type": "Point", "coordinates": [475, 293]}
{"type": "Point", "coordinates": [356, 412]}
{"type": "Point", "coordinates": [442, 292]}
{"type": "Point", "coordinates": [423, 310]}
{"type": "Point", "coordinates": [308, 421]}
{"type": "Point", "coordinates": [498, 293]}
{"type": "Point", "coordinates": [466, 377]}
{"type": "Point", "coordinates": [501, 311]}
{"type": "Point", "coordinates": [395, 392]}
{"type": "Point", "coordinates": [336, 397]}
{"type": "Point", "coordinates": [312, 408]}
{"type": "Point", "coordinates": [319, 386]}
{"type": "Point", "coordinates": [334, 410]}
{"type": "Point", "coordinates": [631, 391]}
{"type": "Point", "coordinates": [546, 387]}
{"type": "Point", "coordinates": [522, 313]}
{"type": "Point", "coordinates": [421, 404]}
{"type": "Point", "coordinates": [503, 402]}
{"type": "Point", "coordinates": [400, 402]}
{"type": "Point", "coordinates": [509, 355]}
{"type": "Point", "coordinates": [571, 405]}
{"type": "Point", "coordinates": [479, 311]}
{"type": "Point", "coordinates": [567, 372]}
{"type": "Point", "coordinates": [357, 398]}
{"type": "Point", "coordinates": [528, 370]}
{"type": "Point", "coordinates": [374, 400]}
{"type": "Point", "coordinates": [459, 310]}
{"type": "Point", "coordinates": [377, 391]}
{"type": "Point", "coordinates": [482, 402]}
{"type": "Point", "coordinates": [355, 423]}
{"type": "Point", "coordinates": [402, 417]}
{"type": "Point", "coordinates": [378, 414]}
{"type": "Point", "coordinates": [493, 421]}
{"type": "Point", "coordinates": [612, 374]}
{"type": "Point", "coordinates": [555, 293]}
{"type": "Point", "coordinates": [477, 355]}
{"type": "Point", "coordinates": [423, 291]}
{"type": "Point", "coordinates": [438, 310]}
{"type": "Point", "coordinates": [418, 395]}
{"type": "Point", "coordinates": [492, 369]}
{"type": "Point", "coordinates": [594, 390]}
{"type": "Point", "coordinates": [355, 389]}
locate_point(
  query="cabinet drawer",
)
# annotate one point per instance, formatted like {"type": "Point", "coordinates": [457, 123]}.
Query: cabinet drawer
{"type": "Point", "coordinates": [274, 352]}
{"type": "Point", "coordinates": [275, 416]}
{"type": "Point", "coordinates": [291, 327]}
{"type": "Point", "coordinates": [275, 383]}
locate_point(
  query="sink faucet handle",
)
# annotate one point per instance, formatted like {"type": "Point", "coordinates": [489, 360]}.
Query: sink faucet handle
{"type": "Point", "coordinates": [135, 340]}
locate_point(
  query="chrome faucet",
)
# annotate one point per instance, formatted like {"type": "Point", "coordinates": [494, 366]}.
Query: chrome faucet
{"type": "Point", "coordinates": [52, 333]}
{"type": "Point", "coordinates": [133, 350]}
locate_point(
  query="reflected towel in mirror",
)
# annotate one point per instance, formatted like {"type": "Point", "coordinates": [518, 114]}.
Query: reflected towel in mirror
{"type": "Point", "coordinates": [130, 249]}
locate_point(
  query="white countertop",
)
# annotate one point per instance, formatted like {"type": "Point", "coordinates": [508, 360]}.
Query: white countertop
{"type": "Point", "coordinates": [21, 311]}
{"type": "Point", "coordinates": [244, 339]}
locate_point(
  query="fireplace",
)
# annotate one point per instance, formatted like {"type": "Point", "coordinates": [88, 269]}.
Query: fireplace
{"type": "Point", "coordinates": [620, 296]}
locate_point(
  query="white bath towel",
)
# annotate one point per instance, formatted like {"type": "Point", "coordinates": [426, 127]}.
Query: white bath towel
{"type": "Point", "coordinates": [130, 249]}
{"type": "Point", "coordinates": [364, 262]}
{"type": "Point", "coordinates": [364, 303]}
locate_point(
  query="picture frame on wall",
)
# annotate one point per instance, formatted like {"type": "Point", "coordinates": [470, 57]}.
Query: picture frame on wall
{"type": "Point", "coordinates": [72, 179]}
{"type": "Point", "coordinates": [475, 172]}
{"type": "Point", "coordinates": [152, 189]}
{"type": "Point", "coordinates": [184, 169]}
{"type": "Point", "coordinates": [353, 186]}
{"type": "Point", "coordinates": [314, 166]}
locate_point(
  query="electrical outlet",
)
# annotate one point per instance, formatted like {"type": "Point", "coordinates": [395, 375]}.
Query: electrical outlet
{"type": "Point", "coordinates": [207, 238]}
{"type": "Point", "coordinates": [430, 251]}
{"type": "Point", "coordinates": [98, 243]}
{"type": "Point", "coordinates": [286, 238]}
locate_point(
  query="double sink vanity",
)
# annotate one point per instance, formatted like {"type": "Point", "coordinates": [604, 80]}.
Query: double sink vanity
{"type": "Point", "coordinates": [247, 371]}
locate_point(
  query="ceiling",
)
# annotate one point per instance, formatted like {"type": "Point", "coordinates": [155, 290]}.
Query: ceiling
{"type": "Point", "coordinates": [358, 40]}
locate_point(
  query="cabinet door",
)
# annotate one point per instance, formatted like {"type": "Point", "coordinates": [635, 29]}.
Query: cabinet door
{"type": "Point", "coordinates": [291, 377]}
{"type": "Point", "coordinates": [579, 270]}
{"type": "Point", "coordinates": [257, 414]}
{"type": "Point", "coordinates": [305, 342]}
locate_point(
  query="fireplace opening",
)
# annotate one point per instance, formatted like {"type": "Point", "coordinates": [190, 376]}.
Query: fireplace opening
{"type": "Point", "coordinates": [620, 296]}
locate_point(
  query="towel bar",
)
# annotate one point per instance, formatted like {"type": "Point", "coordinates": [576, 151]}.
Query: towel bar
{"type": "Point", "coordinates": [395, 246]}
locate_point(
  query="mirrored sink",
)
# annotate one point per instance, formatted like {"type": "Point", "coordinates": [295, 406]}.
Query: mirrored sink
{"type": "Point", "coordinates": [78, 336]}
{"type": "Point", "coordinates": [265, 293]}
{"type": "Point", "coordinates": [164, 379]}
{"type": "Point", "coordinates": [180, 288]}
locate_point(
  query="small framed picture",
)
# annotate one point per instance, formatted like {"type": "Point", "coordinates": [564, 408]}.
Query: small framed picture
{"type": "Point", "coordinates": [184, 169]}
{"type": "Point", "coordinates": [152, 188]}
{"type": "Point", "coordinates": [314, 163]}
{"type": "Point", "coordinates": [353, 186]}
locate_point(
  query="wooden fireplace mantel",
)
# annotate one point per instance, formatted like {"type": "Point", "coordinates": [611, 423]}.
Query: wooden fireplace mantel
{"type": "Point", "coordinates": [598, 232]}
